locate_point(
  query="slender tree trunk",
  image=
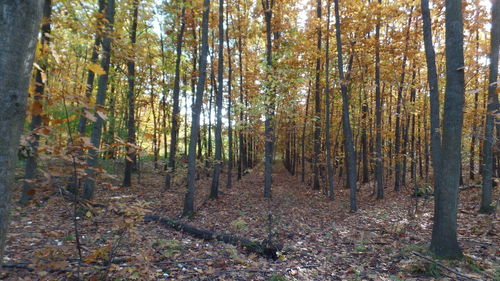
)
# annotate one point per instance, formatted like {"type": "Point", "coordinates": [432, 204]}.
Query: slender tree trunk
{"type": "Point", "coordinates": [89, 85]}
{"type": "Point", "coordinates": [242, 159]}
{"type": "Point", "coordinates": [269, 131]}
{"type": "Point", "coordinates": [379, 163]}
{"type": "Point", "coordinates": [214, 191]}
{"type": "Point", "coordinates": [95, 139]}
{"type": "Point", "coordinates": [397, 141]}
{"type": "Point", "coordinates": [229, 107]}
{"type": "Point", "coordinates": [346, 123]}
{"type": "Point", "coordinates": [317, 103]}
{"type": "Point", "coordinates": [303, 157]}
{"type": "Point", "coordinates": [19, 29]}
{"type": "Point", "coordinates": [434, 94]}
{"type": "Point", "coordinates": [37, 107]}
{"type": "Point", "coordinates": [327, 113]}
{"type": "Point", "coordinates": [488, 160]}
{"type": "Point", "coordinates": [130, 159]}
{"type": "Point", "coordinates": [444, 232]}
{"type": "Point", "coordinates": [174, 132]}
{"type": "Point", "coordinates": [195, 123]}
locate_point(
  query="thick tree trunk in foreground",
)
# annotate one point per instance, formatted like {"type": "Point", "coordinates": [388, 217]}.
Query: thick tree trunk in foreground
{"type": "Point", "coordinates": [95, 139]}
{"type": "Point", "coordinates": [20, 24]}
{"type": "Point", "coordinates": [214, 190]}
{"type": "Point", "coordinates": [36, 111]}
{"type": "Point", "coordinates": [346, 123]}
{"type": "Point", "coordinates": [487, 169]}
{"type": "Point", "coordinates": [196, 109]}
{"type": "Point", "coordinates": [174, 131]}
{"type": "Point", "coordinates": [444, 232]}
{"type": "Point", "coordinates": [131, 150]}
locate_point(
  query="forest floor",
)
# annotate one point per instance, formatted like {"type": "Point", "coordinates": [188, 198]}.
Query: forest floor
{"type": "Point", "coordinates": [322, 239]}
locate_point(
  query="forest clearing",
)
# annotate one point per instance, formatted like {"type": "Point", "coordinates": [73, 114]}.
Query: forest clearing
{"type": "Point", "coordinates": [249, 140]}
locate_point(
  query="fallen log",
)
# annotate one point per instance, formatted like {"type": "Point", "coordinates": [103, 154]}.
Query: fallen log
{"type": "Point", "coordinates": [444, 267]}
{"type": "Point", "coordinates": [264, 248]}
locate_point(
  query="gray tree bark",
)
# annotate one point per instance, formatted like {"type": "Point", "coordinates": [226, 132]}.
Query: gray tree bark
{"type": "Point", "coordinates": [379, 162]}
{"type": "Point", "coordinates": [492, 109]}
{"type": "Point", "coordinates": [214, 190]}
{"type": "Point", "coordinates": [174, 131]}
{"type": "Point", "coordinates": [95, 138]}
{"type": "Point", "coordinates": [36, 117]}
{"type": "Point", "coordinates": [195, 115]}
{"type": "Point", "coordinates": [346, 123]}
{"type": "Point", "coordinates": [130, 158]}
{"type": "Point", "coordinates": [444, 232]}
{"type": "Point", "coordinates": [19, 25]}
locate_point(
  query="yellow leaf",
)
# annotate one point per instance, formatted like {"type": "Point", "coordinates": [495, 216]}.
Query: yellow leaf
{"type": "Point", "coordinates": [97, 69]}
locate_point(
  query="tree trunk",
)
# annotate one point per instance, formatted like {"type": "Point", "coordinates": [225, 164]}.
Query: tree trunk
{"type": "Point", "coordinates": [37, 112]}
{"type": "Point", "coordinates": [131, 150]}
{"type": "Point", "coordinates": [82, 123]}
{"type": "Point", "coordinates": [229, 107]}
{"type": "Point", "coordinates": [328, 110]}
{"type": "Point", "coordinates": [95, 139]}
{"type": "Point", "coordinates": [435, 131]}
{"type": "Point", "coordinates": [379, 163]}
{"type": "Point", "coordinates": [317, 104]}
{"type": "Point", "coordinates": [487, 170]}
{"type": "Point", "coordinates": [174, 131]}
{"type": "Point", "coordinates": [214, 190]}
{"type": "Point", "coordinates": [196, 109]}
{"type": "Point", "coordinates": [346, 123]}
{"type": "Point", "coordinates": [397, 141]}
{"type": "Point", "coordinates": [19, 29]}
{"type": "Point", "coordinates": [303, 156]}
{"type": "Point", "coordinates": [444, 232]}
{"type": "Point", "coordinates": [268, 123]}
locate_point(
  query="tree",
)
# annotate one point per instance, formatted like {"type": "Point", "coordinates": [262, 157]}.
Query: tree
{"type": "Point", "coordinates": [90, 74]}
{"type": "Point", "coordinates": [95, 139]}
{"type": "Point", "coordinates": [493, 106]}
{"type": "Point", "coordinates": [379, 161]}
{"type": "Point", "coordinates": [174, 130]}
{"type": "Point", "coordinates": [37, 108]}
{"type": "Point", "coordinates": [214, 191]}
{"type": "Point", "coordinates": [229, 107]}
{"type": "Point", "coordinates": [195, 115]}
{"type": "Point", "coordinates": [350, 158]}
{"type": "Point", "coordinates": [131, 155]}
{"type": "Point", "coordinates": [267, 5]}
{"type": "Point", "coordinates": [317, 103]}
{"type": "Point", "coordinates": [434, 92]}
{"type": "Point", "coordinates": [20, 24]}
{"type": "Point", "coordinates": [444, 232]}
{"type": "Point", "coordinates": [328, 144]}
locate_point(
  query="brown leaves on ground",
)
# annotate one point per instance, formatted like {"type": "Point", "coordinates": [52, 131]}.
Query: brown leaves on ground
{"type": "Point", "coordinates": [322, 240]}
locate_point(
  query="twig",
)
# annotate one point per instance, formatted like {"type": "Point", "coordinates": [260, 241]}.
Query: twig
{"type": "Point", "coordinates": [444, 266]}
{"type": "Point", "coordinates": [77, 187]}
